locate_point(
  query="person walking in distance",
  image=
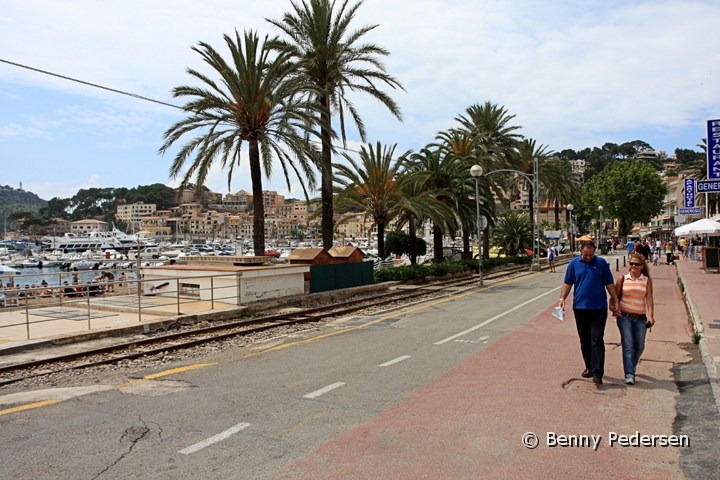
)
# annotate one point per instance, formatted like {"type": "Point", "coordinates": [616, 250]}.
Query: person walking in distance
{"type": "Point", "coordinates": [636, 313]}
{"type": "Point", "coordinates": [591, 277]}
{"type": "Point", "coordinates": [643, 249]}
{"type": "Point", "coordinates": [551, 257]}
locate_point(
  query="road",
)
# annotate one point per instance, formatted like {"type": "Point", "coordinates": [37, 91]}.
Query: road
{"type": "Point", "coordinates": [253, 413]}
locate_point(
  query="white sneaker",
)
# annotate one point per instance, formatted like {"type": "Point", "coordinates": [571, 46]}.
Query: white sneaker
{"type": "Point", "coordinates": [630, 379]}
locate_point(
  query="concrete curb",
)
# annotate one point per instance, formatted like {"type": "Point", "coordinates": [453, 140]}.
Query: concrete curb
{"type": "Point", "coordinates": [191, 319]}
{"type": "Point", "coordinates": [710, 365]}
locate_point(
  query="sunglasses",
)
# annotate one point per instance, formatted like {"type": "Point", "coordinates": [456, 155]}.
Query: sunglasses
{"type": "Point", "coordinates": [633, 264]}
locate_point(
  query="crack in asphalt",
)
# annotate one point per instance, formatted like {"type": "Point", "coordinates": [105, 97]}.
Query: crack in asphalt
{"type": "Point", "coordinates": [134, 434]}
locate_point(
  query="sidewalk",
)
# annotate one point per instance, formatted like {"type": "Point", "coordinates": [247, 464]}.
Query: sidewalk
{"type": "Point", "coordinates": [470, 422]}
{"type": "Point", "coordinates": [702, 291]}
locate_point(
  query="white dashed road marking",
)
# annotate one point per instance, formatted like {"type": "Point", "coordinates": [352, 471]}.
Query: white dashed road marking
{"type": "Point", "coordinates": [214, 439]}
{"type": "Point", "coordinates": [391, 362]}
{"type": "Point", "coordinates": [317, 393]}
{"type": "Point", "coordinates": [457, 335]}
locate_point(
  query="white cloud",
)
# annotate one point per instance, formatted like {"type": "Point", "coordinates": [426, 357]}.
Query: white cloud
{"type": "Point", "coordinates": [50, 189]}
{"type": "Point", "coordinates": [19, 131]}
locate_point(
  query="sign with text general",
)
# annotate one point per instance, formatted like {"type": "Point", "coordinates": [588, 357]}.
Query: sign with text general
{"type": "Point", "coordinates": [713, 149]}
{"type": "Point", "coordinates": [708, 186]}
{"type": "Point", "coordinates": [689, 192]}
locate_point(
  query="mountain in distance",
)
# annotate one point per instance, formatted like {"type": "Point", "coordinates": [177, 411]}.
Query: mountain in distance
{"type": "Point", "coordinates": [16, 200]}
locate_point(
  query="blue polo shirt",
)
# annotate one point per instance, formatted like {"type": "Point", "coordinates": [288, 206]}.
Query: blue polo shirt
{"type": "Point", "coordinates": [589, 279]}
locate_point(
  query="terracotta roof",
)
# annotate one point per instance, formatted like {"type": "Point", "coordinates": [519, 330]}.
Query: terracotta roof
{"type": "Point", "coordinates": [344, 252]}
{"type": "Point", "coordinates": [305, 253]}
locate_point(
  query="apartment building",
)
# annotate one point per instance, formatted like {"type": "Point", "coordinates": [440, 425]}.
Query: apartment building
{"type": "Point", "coordinates": [84, 227]}
{"type": "Point", "coordinates": [133, 213]}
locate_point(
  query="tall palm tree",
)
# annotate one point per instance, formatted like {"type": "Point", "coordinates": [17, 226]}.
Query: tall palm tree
{"type": "Point", "coordinates": [446, 176]}
{"type": "Point", "coordinates": [499, 140]}
{"type": "Point", "coordinates": [257, 100]}
{"type": "Point", "coordinates": [372, 185]}
{"type": "Point", "coordinates": [559, 186]}
{"type": "Point", "coordinates": [469, 150]}
{"type": "Point", "coordinates": [329, 56]}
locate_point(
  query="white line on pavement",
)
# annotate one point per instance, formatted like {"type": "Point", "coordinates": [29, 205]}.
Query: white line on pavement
{"type": "Point", "coordinates": [214, 439]}
{"type": "Point", "coordinates": [496, 317]}
{"type": "Point", "coordinates": [398, 359]}
{"type": "Point", "coordinates": [317, 393]}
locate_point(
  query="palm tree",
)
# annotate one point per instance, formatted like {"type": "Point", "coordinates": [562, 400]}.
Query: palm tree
{"type": "Point", "coordinates": [417, 206]}
{"type": "Point", "coordinates": [490, 124]}
{"type": "Point", "coordinates": [373, 185]}
{"type": "Point", "coordinates": [512, 233]}
{"type": "Point", "coordinates": [559, 186]}
{"type": "Point", "coordinates": [329, 56]}
{"type": "Point", "coordinates": [257, 100]}
{"type": "Point", "coordinates": [446, 176]}
{"type": "Point", "coordinates": [469, 151]}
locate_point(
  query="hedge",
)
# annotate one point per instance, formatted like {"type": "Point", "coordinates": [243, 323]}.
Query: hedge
{"type": "Point", "coordinates": [413, 272]}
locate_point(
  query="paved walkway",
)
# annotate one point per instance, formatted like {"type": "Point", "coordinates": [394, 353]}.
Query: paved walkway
{"type": "Point", "coordinates": [469, 423]}
{"type": "Point", "coordinates": [703, 291]}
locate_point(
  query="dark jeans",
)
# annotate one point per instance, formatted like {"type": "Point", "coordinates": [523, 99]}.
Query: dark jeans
{"type": "Point", "coordinates": [591, 330]}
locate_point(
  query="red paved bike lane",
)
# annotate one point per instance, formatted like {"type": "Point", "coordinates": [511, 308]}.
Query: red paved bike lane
{"type": "Point", "coordinates": [469, 423]}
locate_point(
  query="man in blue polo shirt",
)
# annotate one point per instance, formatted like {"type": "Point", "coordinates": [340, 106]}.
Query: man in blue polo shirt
{"type": "Point", "coordinates": [591, 276]}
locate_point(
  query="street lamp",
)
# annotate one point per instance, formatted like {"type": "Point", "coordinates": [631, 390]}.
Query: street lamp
{"type": "Point", "coordinates": [477, 171]}
{"type": "Point", "coordinates": [600, 226]}
{"type": "Point", "coordinates": [534, 180]}
{"type": "Point", "coordinates": [572, 230]}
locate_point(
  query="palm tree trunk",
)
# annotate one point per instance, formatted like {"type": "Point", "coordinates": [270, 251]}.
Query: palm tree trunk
{"type": "Point", "coordinates": [258, 207]}
{"type": "Point", "coordinates": [557, 214]}
{"type": "Point", "coordinates": [486, 242]}
{"type": "Point", "coordinates": [466, 242]}
{"type": "Point", "coordinates": [326, 192]}
{"type": "Point", "coordinates": [413, 241]}
{"type": "Point", "coordinates": [437, 244]}
{"type": "Point", "coordinates": [381, 239]}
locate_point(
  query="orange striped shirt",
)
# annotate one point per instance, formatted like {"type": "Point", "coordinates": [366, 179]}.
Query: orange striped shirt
{"type": "Point", "coordinates": [633, 294]}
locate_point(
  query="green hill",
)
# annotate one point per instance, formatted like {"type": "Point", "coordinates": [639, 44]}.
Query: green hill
{"type": "Point", "coordinates": [14, 200]}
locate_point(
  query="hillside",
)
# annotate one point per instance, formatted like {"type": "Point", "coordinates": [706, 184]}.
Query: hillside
{"type": "Point", "coordinates": [14, 200]}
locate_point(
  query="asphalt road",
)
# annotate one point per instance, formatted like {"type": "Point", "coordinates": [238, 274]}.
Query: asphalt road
{"type": "Point", "coordinates": [259, 410]}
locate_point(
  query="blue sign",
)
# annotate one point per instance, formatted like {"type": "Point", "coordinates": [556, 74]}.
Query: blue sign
{"type": "Point", "coordinates": [689, 192]}
{"type": "Point", "coordinates": [708, 186]}
{"type": "Point", "coordinates": [690, 211]}
{"type": "Point", "coordinates": [713, 149]}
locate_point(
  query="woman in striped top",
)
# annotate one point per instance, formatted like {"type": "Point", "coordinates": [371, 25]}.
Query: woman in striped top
{"type": "Point", "coordinates": [636, 312]}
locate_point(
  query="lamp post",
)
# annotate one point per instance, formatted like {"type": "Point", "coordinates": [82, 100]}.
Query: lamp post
{"type": "Point", "coordinates": [600, 226]}
{"type": "Point", "coordinates": [534, 180]}
{"type": "Point", "coordinates": [570, 208]}
{"type": "Point", "coordinates": [477, 171]}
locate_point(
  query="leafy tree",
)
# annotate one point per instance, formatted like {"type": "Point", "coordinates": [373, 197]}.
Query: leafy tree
{"type": "Point", "coordinates": [559, 186]}
{"type": "Point", "coordinates": [398, 242]}
{"type": "Point", "coordinates": [259, 100]}
{"type": "Point", "coordinates": [318, 38]}
{"type": "Point", "coordinates": [631, 191]}
{"type": "Point", "coordinates": [685, 156]}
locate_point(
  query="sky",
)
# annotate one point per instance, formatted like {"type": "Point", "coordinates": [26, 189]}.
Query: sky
{"type": "Point", "coordinates": [575, 75]}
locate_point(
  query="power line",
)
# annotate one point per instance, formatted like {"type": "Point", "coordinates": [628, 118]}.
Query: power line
{"type": "Point", "coordinates": [121, 92]}
{"type": "Point", "coordinates": [134, 95]}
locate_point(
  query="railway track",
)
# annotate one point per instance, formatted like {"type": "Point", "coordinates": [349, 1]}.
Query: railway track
{"type": "Point", "coordinates": [193, 337]}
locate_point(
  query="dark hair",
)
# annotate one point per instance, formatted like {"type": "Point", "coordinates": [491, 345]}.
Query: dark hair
{"type": "Point", "coordinates": [588, 244]}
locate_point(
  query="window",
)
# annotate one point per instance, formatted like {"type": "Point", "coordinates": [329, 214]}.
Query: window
{"type": "Point", "coordinates": [191, 289]}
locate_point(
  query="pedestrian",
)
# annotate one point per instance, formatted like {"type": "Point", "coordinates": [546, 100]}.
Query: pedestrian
{"type": "Point", "coordinates": [591, 277]}
{"type": "Point", "coordinates": [669, 253]}
{"type": "Point", "coordinates": [635, 291]}
{"type": "Point", "coordinates": [551, 257]}
{"type": "Point", "coordinates": [630, 247]}
{"type": "Point", "coordinates": [656, 257]}
{"type": "Point", "coordinates": [643, 249]}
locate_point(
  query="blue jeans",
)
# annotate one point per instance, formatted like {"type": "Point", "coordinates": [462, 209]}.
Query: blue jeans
{"type": "Point", "coordinates": [632, 335]}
